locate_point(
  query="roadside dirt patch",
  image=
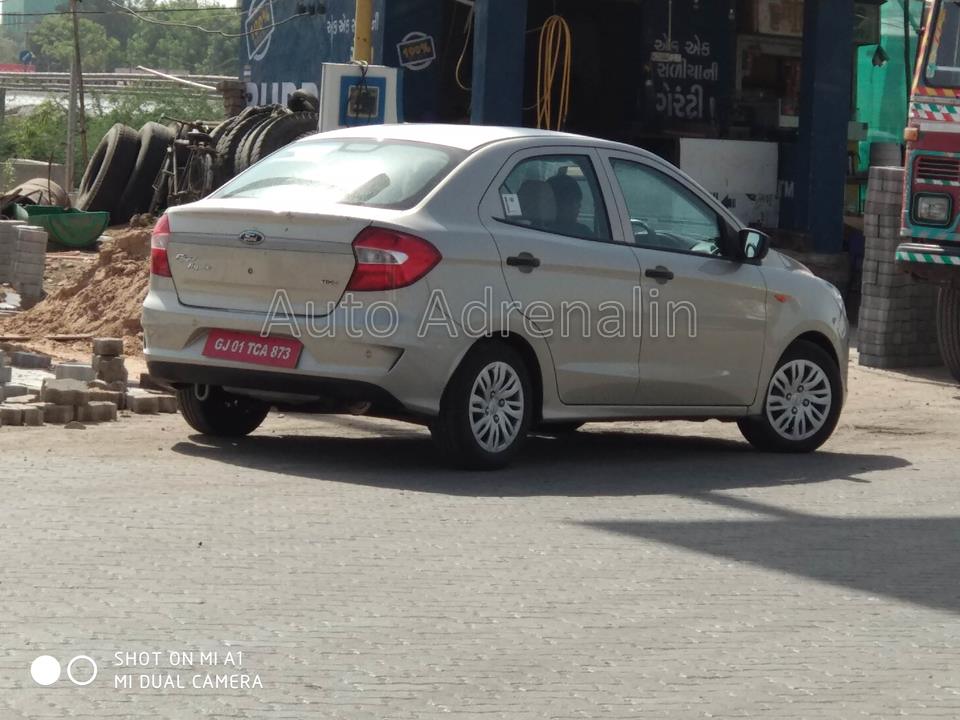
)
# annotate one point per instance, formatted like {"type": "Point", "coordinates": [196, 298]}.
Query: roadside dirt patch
{"type": "Point", "coordinates": [102, 296]}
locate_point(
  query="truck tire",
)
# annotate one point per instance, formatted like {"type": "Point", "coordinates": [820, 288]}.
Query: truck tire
{"type": "Point", "coordinates": [109, 170]}
{"type": "Point", "coordinates": [282, 131]}
{"type": "Point", "coordinates": [948, 328]}
{"type": "Point", "coordinates": [228, 143]}
{"type": "Point", "coordinates": [154, 141]}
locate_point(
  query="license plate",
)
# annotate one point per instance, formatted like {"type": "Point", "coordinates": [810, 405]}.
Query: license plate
{"type": "Point", "coordinates": [253, 349]}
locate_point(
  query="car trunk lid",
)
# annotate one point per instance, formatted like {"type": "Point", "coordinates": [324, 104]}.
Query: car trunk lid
{"type": "Point", "coordinates": [231, 256]}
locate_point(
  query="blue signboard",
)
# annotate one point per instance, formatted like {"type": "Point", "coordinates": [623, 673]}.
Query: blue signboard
{"type": "Point", "coordinates": [283, 52]}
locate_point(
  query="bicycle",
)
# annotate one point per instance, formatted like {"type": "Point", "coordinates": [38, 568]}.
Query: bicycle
{"type": "Point", "coordinates": [187, 171]}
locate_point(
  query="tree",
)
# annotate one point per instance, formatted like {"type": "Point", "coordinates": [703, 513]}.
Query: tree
{"type": "Point", "coordinates": [9, 50]}
{"type": "Point", "coordinates": [53, 39]}
{"type": "Point", "coordinates": [184, 49]}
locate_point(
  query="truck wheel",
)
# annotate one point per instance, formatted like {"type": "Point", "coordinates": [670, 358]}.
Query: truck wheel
{"type": "Point", "coordinates": [211, 411]}
{"type": "Point", "coordinates": [802, 403]}
{"type": "Point", "coordinates": [948, 328]}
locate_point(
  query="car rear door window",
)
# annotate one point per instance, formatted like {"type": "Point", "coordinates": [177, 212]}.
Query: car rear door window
{"type": "Point", "coordinates": [664, 215]}
{"type": "Point", "coordinates": [557, 194]}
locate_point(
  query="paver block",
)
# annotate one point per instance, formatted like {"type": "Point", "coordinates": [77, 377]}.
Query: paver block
{"type": "Point", "coordinates": [108, 347]}
{"type": "Point", "coordinates": [32, 415]}
{"type": "Point", "coordinates": [144, 404]}
{"type": "Point", "coordinates": [75, 371]}
{"type": "Point", "coordinates": [167, 403]}
{"type": "Point", "coordinates": [11, 415]}
{"type": "Point", "coordinates": [30, 360]}
{"type": "Point", "coordinates": [110, 369]}
{"type": "Point", "coordinates": [58, 414]}
{"type": "Point", "coordinates": [6, 374]}
{"type": "Point", "coordinates": [97, 411]}
{"type": "Point", "coordinates": [11, 390]}
{"type": "Point", "coordinates": [65, 392]}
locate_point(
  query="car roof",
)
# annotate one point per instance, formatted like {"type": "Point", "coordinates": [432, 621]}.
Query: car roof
{"type": "Point", "coordinates": [463, 137]}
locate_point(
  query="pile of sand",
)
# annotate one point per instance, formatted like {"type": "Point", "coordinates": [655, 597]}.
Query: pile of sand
{"type": "Point", "coordinates": [104, 300]}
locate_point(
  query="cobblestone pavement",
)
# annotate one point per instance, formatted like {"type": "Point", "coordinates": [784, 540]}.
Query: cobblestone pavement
{"type": "Point", "coordinates": [658, 571]}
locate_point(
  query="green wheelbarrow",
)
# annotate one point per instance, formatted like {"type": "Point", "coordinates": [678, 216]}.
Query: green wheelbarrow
{"type": "Point", "coordinates": [67, 227]}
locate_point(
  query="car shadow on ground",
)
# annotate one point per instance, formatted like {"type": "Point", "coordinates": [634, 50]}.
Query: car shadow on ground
{"type": "Point", "coordinates": [594, 463]}
{"type": "Point", "coordinates": [912, 559]}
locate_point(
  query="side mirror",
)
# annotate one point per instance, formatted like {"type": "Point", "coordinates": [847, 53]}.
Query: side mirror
{"type": "Point", "coordinates": [754, 245]}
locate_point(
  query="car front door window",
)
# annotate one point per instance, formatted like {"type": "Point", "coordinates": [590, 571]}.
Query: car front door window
{"type": "Point", "coordinates": [664, 215]}
{"type": "Point", "coordinates": [556, 194]}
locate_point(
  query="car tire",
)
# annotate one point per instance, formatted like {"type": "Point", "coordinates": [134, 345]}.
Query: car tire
{"type": "Point", "coordinates": [486, 409]}
{"type": "Point", "coordinates": [136, 198]}
{"type": "Point", "coordinates": [948, 328]}
{"type": "Point", "coordinates": [212, 411]}
{"type": "Point", "coordinates": [802, 403]}
{"type": "Point", "coordinates": [109, 170]}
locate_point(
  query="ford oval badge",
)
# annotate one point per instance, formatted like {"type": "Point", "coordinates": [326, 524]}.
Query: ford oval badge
{"type": "Point", "coordinates": [251, 237]}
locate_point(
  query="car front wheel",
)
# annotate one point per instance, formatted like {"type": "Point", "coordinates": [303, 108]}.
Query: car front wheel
{"type": "Point", "coordinates": [212, 411]}
{"type": "Point", "coordinates": [802, 404]}
{"type": "Point", "coordinates": [486, 409]}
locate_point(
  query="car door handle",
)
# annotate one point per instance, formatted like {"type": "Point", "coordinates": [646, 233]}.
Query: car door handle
{"type": "Point", "coordinates": [525, 261]}
{"type": "Point", "coordinates": [659, 273]}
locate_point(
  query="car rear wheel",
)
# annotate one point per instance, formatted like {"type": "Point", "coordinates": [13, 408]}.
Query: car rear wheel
{"type": "Point", "coordinates": [212, 411]}
{"type": "Point", "coordinates": [486, 409]}
{"type": "Point", "coordinates": [802, 404]}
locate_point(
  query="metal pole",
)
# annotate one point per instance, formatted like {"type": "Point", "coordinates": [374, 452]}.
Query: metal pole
{"type": "Point", "coordinates": [72, 114]}
{"type": "Point", "coordinates": [82, 104]}
{"type": "Point", "coordinates": [362, 34]}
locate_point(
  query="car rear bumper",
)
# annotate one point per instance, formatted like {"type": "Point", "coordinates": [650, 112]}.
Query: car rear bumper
{"type": "Point", "coordinates": [401, 370]}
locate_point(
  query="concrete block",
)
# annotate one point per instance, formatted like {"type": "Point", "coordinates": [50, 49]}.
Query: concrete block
{"type": "Point", "coordinates": [11, 415]}
{"type": "Point", "coordinates": [32, 415]}
{"type": "Point", "coordinates": [108, 347]}
{"type": "Point", "coordinates": [74, 371]}
{"type": "Point", "coordinates": [34, 361]}
{"type": "Point", "coordinates": [97, 411]}
{"type": "Point", "coordinates": [110, 369]}
{"type": "Point", "coordinates": [167, 403]}
{"type": "Point", "coordinates": [58, 414]}
{"type": "Point", "coordinates": [11, 390]}
{"type": "Point", "coordinates": [142, 404]}
{"type": "Point", "coordinates": [6, 375]}
{"type": "Point", "coordinates": [65, 392]}
{"type": "Point", "coordinates": [118, 386]}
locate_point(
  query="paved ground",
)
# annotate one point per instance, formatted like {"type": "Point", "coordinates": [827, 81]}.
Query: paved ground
{"type": "Point", "coordinates": [662, 571]}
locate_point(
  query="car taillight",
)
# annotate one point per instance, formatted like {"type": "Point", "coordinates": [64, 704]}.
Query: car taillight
{"type": "Point", "coordinates": [159, 262]}
{"type": "Point", "coordinates": [387, 260]}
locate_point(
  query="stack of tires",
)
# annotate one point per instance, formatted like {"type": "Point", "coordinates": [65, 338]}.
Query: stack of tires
{"type": "Point", "coordinates": [120, 175]}
{"type": "Point", "coordinates": [255, 133]}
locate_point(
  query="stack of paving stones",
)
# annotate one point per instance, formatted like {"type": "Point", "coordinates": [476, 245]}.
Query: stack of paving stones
{"type": "Point", "coordinates": [82, 393]}
{"type": "Point", "coordinates": [897, 314]}
{"type": "Point", "coordinates": [28, 263]}
{"type": "Point", "coordinates": [8, 248]}
{"type": "Point", "coordinates": [108, 364]}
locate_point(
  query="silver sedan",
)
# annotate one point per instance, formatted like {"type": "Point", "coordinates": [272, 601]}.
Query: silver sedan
{"type": "Point", "coordinates": [487, 282]}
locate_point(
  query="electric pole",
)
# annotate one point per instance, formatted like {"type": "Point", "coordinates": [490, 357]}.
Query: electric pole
{"type": "Point", "coordinates": [82, 105]}
{"type": "Point", "coordinates": [362, 41]}
{"type": "Point", "coordinates": [72, 112]}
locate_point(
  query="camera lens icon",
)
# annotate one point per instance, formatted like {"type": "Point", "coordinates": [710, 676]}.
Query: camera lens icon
{"type": "Point", "coordinates": [45, 670]}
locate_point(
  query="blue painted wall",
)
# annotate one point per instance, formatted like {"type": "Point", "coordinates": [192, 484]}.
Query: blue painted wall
{"type": "Point", "coordinates": [276, 61]}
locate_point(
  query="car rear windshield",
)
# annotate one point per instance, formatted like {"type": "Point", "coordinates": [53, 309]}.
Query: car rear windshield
{"type": "Point", "coordinates": [372, 173]}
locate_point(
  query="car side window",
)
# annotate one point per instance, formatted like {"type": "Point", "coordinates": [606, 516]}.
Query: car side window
{"type": "Point", "coordinates": [556, 194]}
{"type": "Point", "coordinates": [664, 215]}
